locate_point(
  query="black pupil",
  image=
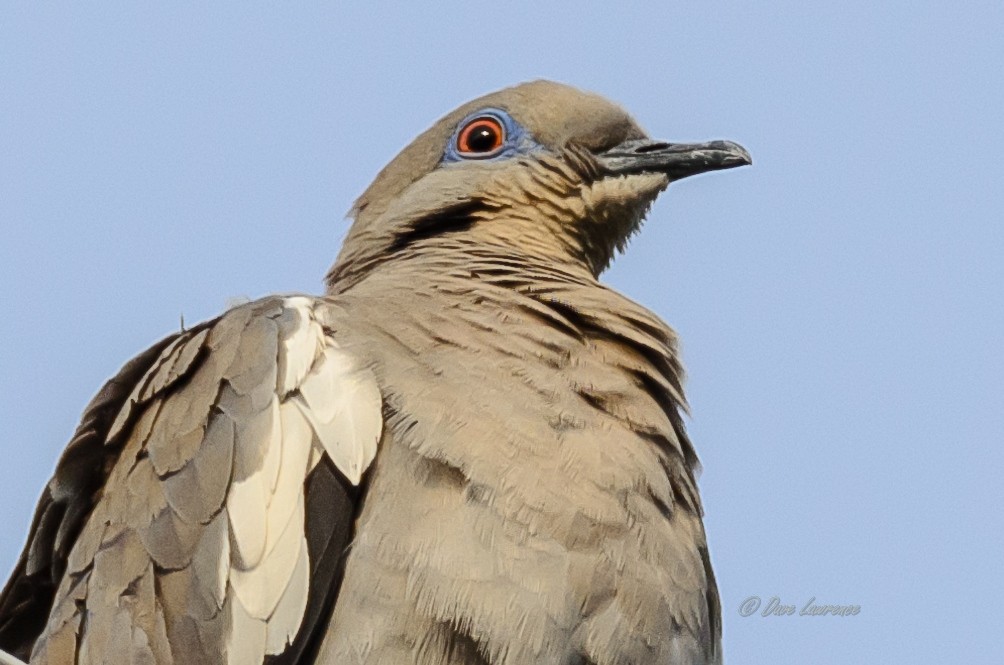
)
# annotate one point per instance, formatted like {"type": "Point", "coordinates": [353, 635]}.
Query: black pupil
{"type": "Point", "coordinates": [482, 138]}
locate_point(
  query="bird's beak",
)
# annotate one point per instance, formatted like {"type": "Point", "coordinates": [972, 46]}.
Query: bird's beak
{"type": "Point", "coordinates": [677, 160]}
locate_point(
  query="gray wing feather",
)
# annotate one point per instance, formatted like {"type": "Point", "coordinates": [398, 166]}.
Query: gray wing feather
{"type": "Point", "coordinates": [196, 550]}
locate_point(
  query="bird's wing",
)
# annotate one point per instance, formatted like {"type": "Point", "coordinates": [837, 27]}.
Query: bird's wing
{"type": "Point", "coordinates": [216, 530]}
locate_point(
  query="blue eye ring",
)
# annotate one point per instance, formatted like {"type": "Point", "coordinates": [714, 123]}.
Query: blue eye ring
{"type": "Point", "coordinates": [513, 139]}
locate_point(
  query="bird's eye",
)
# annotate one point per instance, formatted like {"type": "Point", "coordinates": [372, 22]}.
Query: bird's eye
{"type": "Point", "coordinates": [483, 136]}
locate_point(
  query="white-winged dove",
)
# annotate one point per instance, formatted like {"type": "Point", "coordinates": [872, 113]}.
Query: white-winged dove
{"type": "Point", "coordinates": [468, 450]}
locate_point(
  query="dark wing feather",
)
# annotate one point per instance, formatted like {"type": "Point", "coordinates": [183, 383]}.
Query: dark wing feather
{"type": "Point", "coordinates": [332, 506]}
{"type": "Point", "coordinates": [66, 502]}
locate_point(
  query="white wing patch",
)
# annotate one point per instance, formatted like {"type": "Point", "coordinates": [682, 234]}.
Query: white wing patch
{"type": "Point", "coordinates": [209, 490]}
{"type": "Point", "coordinates": [348, 429]}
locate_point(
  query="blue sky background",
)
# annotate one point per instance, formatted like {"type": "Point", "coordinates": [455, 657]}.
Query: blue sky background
{"type": "Point", "coordinates": [840, 303]}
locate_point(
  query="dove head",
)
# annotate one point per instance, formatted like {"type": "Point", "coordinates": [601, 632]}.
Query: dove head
{"type": "Point", "coordinates": [540, 171]}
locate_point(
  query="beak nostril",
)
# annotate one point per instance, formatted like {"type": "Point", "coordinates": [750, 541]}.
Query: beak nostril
{"type": "Point", "coordinates": [650, 147]}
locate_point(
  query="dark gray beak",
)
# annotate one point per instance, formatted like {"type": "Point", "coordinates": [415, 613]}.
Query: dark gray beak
{"type": "Point", "coordinates": [677, 160]}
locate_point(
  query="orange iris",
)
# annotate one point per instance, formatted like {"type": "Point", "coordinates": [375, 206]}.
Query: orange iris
{"type": "Point", "coordinates": [481, 137]}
